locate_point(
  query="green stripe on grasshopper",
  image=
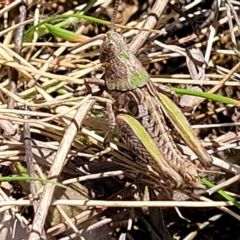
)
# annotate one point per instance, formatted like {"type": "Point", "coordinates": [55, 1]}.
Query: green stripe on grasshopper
{"type": "Point", "coordinates": [179, 121]}
{"type": "Point", "coordinates": [167, 173]}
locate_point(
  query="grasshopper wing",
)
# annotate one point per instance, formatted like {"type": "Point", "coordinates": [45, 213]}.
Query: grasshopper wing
{"type": "Point", "coordinates": [141, 144]}
{"type": "Point", "coordinates": [183, 127]}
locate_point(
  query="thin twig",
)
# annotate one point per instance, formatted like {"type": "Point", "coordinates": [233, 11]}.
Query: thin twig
{"type": "Point", "coordinates": [223, 184]}
{"type": "Point", "coordinates": [18, 46]}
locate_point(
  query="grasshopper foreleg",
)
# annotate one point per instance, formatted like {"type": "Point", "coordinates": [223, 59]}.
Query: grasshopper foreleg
{"type": "Point", "coordinates": [88, 89]}
{"type": "Point", "coordinates": [111, 120]}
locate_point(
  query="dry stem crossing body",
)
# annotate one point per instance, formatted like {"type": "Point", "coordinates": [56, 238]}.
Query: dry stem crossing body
{"type": "Point", "coordinates": [137, 111]}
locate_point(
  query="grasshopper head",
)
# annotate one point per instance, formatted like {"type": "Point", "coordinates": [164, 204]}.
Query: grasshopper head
{"type": "Point", "coordinates": [112, 45]}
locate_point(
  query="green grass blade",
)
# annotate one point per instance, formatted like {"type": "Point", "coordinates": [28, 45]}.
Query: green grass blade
{"type": "Point", "coordinates": [222, 193]}
{"type": "Point", "coordinates": [65, 34]}
{"type": "Point", "coordinates": [88, 6]}
{"type": "Point", "coordinates": [211, 96]}
{"type": "Point", "coordinates": [42, 29]}
{"type": "Point", "coordinates": [25, 178]}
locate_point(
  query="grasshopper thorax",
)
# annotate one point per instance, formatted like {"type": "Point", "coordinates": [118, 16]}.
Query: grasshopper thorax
{"type": "Point", "coordinates": [113, 44]}
{"type": "Point", "coordinates": [123, 71]}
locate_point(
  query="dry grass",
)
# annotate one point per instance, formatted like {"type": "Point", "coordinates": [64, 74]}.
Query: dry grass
{"type": "Point", "coordinates": [49, 132]}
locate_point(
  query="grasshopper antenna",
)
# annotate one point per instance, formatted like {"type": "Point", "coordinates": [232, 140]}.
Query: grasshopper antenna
{"type": "Point", "coordinates": [101, 36]}
{"type": "Point", "coordinates": [115, 10]}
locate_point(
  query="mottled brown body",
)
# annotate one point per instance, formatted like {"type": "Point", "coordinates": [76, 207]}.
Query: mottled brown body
{"type": "Point", "coordinates": [148, 112]}
{"type": "Point", "coordinates": [129, 84]}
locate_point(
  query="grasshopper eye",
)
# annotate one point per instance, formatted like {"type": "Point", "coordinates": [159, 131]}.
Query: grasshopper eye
{"type": "Point", "coordinates": [110, 44]}
{"type": "Point", "coordinates": [133, 108]}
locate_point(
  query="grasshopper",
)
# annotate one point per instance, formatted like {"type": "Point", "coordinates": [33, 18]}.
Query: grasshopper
{"type": "Point", "coordinates": [139, 112]}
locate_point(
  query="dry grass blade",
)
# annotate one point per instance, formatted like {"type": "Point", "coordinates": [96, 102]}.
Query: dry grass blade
{"type": "Point", "coordinates": [150, 22]}
{"type": "Point", "coordinates": [58, 163]}
{"type": "Point", "coordinates": [124, 204]}
{"type": "Point", "coordinates": [110, 183]}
